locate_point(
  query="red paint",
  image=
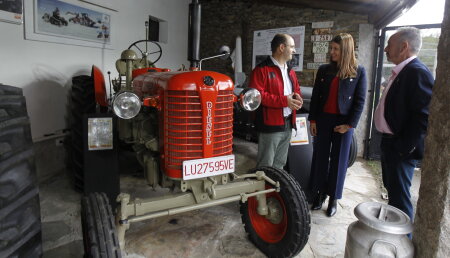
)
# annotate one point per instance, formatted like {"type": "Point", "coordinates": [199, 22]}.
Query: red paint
{"type": "Point", "coordinates": [196, 120]}
{"type": "Point", "coordinates": [266, 230]}
{"type": "Point", "coordinates": [99, 86]}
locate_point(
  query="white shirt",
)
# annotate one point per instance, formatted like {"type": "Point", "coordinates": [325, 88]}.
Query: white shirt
{"type": "Point", "coordinates": [380, 121]}
{"type": "Point", "coordinates": [286, 83]}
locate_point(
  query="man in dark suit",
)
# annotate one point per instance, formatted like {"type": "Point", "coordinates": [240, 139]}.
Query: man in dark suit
{"type": "Point", "coordinates": [402, 116]}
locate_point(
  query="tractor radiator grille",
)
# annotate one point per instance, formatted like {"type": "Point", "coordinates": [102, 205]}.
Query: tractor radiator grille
{"type": "Point", "coordinates": [184, 127]}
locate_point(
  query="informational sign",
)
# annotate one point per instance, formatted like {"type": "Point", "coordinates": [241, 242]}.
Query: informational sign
{"type": "Point", "coordinates": [320, 47]}
{"type": "Point", "coordinates": [321, 31]}
{"type": "Point", "coordinates": [320, 58]}
{"type": "Point", "coordinates": [319, 25]}
{"type": "Point", "coordinates": [326, 37]}
{"type": "Point", "coordinates": [313, 66]}
{"type": "Point", "coordinates": [100, 133]}
{"type": "Point", "coordinates": [262, 39]}
{"type": "Point", "coordinates": [300, 136]}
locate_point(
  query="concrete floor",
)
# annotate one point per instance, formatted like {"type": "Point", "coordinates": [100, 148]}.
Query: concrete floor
{"type": "Point", "coordinates": [211, 232]}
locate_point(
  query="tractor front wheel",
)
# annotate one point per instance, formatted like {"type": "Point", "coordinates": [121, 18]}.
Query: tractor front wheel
{"type": "Point", "coordinates": [99, 231]}
{"type": "Point", "coordinates": [285, 230]}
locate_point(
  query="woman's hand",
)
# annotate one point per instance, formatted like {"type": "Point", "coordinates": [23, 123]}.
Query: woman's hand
{"type": "Point", "coordinates": [341, 128]}
{"type": "Point", "coordinates": [313, 129]}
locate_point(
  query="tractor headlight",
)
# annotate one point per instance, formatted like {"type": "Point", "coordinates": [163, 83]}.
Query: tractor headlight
{"type": "Point", "coordinates": [126, 105]}
{"type": "Point", "coordinates": [250, 99]}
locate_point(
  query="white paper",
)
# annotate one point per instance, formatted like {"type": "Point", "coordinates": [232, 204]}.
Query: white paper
{"type": "Point", "coordinates": [262, 39]}
{"type": "Point", "coordinates": [300, 137]}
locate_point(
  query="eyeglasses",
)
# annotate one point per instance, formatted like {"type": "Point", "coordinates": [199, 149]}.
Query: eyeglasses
{"type": "Point", "coordinates": [291, 46]}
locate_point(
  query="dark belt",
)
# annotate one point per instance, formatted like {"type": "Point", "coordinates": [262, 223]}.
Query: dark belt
{"type": "Point", "coordinates": [388, 136]}
{"type": "Point", "coordinates": [287, 118]}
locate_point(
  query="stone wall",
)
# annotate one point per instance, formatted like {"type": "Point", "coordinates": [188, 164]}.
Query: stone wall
{"type": "Point", "coordinates": [223, 21]}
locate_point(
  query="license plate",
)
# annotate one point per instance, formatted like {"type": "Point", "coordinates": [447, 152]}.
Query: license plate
{"type": "Point", "coordinates": [199, 168]}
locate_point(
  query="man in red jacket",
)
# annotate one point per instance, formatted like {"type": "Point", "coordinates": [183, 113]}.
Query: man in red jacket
{"type": "Point", "coordinates": [280, 91]}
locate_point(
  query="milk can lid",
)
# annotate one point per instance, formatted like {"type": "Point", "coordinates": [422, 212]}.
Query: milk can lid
{"type": "Point", "coordinates": [383, 217]}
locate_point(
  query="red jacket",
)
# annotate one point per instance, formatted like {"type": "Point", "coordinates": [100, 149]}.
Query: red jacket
{"type": "Point", "coordinates": [267, 79]}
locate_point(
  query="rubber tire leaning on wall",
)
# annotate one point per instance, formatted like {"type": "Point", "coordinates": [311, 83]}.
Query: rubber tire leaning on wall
{"type": "Point", "coordinates": [99, 231]}
{"type": "Point", "coordinates": [353, 151]}
{"type": "Point", "coordinates": [20, 230]}
{"type": "Point", "coordinates": [82, 102]}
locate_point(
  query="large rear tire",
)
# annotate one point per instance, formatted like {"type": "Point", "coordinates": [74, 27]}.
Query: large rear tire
{"type": "Point", "coordinates": [288, 234]}
{"type": "Point", "coordinates": [83, 102]}
{"type": "Point", "coordinates": [20, 222]}
{"type": "Point", "coordinates": [99, 231]}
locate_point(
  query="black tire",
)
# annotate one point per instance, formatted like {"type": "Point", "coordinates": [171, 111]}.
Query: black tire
{"type": "Point", "coordinates": [99, 231]}
{"type": "Point", "coordinates": [82, 102]}
{"type": "Point", "coordinates": [20, 230]}
{"type": "Point", "coordinates": [288, 237]}
{"type": "Point", "coordinates": [353, 151]}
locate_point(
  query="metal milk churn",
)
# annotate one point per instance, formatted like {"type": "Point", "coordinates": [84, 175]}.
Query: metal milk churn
{"type": "Point", "coordinates": [379, 232]}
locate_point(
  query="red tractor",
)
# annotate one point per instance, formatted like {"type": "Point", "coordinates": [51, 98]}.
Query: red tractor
{"type": "Point", "coordinates": [180, 126]}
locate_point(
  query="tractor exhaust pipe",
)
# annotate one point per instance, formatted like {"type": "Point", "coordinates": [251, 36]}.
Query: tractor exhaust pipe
{"type": "Point", "coordinates": [194, 34]}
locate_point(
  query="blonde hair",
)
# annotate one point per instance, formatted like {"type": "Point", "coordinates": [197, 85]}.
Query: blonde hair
{"type": "Point", "coordinates": [347, 64]}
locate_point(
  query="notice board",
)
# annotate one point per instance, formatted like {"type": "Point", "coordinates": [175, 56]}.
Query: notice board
{"type": "Point", "coordinates": [262, 39]}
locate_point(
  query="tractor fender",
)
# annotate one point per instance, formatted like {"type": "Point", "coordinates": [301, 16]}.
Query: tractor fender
{"type": "Point", "coordinates": [99, 86]}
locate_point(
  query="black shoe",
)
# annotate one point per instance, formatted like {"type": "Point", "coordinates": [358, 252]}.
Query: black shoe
{"type": "Point", "coordinates": [318, 201]}
{"type": "Point", "coordinates": [332, 207]}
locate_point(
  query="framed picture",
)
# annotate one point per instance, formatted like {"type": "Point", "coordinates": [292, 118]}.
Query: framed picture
{"type": "Point", "coordinates": [108, 4]}
{"type": "Point", "coordinates": [67, 23]}
{"type": "Point", "coordinates": [11, 11]}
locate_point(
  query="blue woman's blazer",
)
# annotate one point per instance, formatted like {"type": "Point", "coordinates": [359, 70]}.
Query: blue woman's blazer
{"type": "Point", "coordinates": [351, 94]}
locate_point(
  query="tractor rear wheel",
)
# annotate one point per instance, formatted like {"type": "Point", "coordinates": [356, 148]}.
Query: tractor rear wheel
{"type": "Point", "coordinates": [99, 231]}
{"type": "Point", "coordinates": [20, 219]}
{"type": "Point", "coordinates": [286, 231]}
{"type": "Point", "coordinates": [83, 102]}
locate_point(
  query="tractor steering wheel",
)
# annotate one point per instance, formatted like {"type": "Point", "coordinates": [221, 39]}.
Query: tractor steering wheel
{"type": "Point", "coordinates": [147, 49]}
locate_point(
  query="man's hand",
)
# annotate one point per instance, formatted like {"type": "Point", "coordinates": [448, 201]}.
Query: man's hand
{"type": "Point", "coordinates": [341, 128]}
{"type": "Point", "coordinates": [313, 129]}
{"type": "Point", "coordinates": [295, 102]}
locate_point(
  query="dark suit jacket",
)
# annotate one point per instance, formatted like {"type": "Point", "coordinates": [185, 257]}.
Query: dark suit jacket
{"type": "Point", "coordinates": [351, 94]}
{"type": "Point", "coordinates": [406, 108]}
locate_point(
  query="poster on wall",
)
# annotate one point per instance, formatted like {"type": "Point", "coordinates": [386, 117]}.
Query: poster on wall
{"type": "Point", "coordinates": [63, 22]}
{"type": "Point", "coordinates": [11, 11]}
{"type": "Point", "coordinates": [262, 39]}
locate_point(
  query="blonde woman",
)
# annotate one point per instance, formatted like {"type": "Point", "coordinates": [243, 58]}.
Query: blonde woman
{"type": "Point", "coordinates": [336, 105]}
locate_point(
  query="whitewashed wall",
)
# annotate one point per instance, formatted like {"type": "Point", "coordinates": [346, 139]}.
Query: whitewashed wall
{"type": "Point", "coordinates": [44, 70]}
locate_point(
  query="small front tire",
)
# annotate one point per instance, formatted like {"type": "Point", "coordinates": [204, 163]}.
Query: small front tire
{"type": "Point", "coordinates": [286, 234]}
{"type": "Point", "coordinates": [99, 231]}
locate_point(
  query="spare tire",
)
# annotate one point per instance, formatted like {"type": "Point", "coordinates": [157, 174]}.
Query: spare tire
{"type": "Point", "coordinates": [20, 230]}
{"type": "Point", "coordinates": [353, 151]}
